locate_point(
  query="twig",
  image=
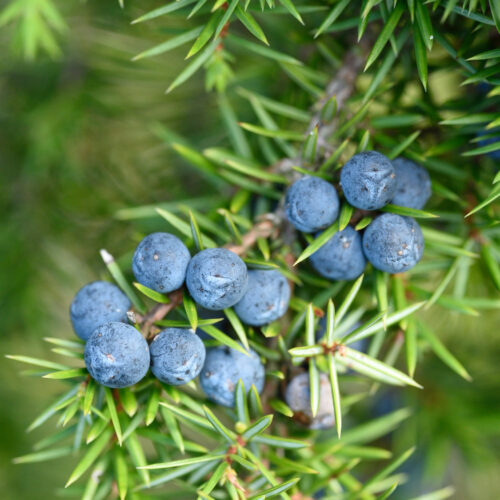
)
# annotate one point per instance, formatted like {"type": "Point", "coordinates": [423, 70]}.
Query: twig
{"type": "Point", "coordinates": [341, 86]}
{"type": "Point", "coordinates": [264, 228]}
{"type": "Point", "coordinates": [158, 312]}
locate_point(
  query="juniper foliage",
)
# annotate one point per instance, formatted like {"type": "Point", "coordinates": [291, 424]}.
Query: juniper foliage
{"type": "Point", "coordinates": [301, 87]}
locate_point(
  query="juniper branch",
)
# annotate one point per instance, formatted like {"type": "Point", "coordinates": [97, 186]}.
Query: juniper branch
{"type": "Point", "coordinates": [341, 86]}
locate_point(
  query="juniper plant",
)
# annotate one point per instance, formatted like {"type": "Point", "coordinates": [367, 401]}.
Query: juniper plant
{"type": "Point", "coordinates": [323, 82]}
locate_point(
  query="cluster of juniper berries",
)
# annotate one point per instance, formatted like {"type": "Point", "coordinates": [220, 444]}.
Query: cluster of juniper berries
{"type": "Point", "coordinates": [369, 181]}
{"type": "Point", "coordinates": [116, 353]}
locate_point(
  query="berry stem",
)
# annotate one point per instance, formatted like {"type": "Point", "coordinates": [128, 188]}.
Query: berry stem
{"type": "Point", "coordinates": [158, 312]}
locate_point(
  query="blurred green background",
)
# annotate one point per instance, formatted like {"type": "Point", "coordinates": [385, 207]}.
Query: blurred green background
{"type": "Point", "coordinates": [76, 145]}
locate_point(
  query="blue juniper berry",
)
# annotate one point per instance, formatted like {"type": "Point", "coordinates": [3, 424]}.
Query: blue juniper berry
{"type": "Point", "coordinates": [97, 303]}
{"type": "Point", "coordinates": [216, 278]}
{"type": "Point", "coordinates": [266, 298]}
{"type": "Point", "coordinates": [368, 180]}
{"type": "Point", "coordinates": [341, 257]}
{"type": "Point", "coordinates": [298, 398]}
{"type": "Point", "coordinates": [177, 356]}
{"type": "Point", "coordinates": [222, 370]}
{"type": "Point", "coordinates": [160, 262]}
{"type": "Point", "coordinates": [117, 355]}
{"type": "Point", "coordinates": [311, 204]}
{"type": "Point", "coordinates": [413, 184]}
{"type": "Point", "coordinates": [393, 243]}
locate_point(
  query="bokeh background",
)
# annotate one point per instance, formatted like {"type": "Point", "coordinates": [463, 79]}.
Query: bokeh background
{"type": "Point", "coordinates": [77, 144]}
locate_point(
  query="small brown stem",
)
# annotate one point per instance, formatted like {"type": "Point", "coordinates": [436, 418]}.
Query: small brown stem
{"type": "Point", "coordinates": [332, 349]}
{"type": "Point", "coordinates": [158, 312]}
{"type": "Point", "coordinates": [116, 397]}
{"type": "Point", "coordinates": [232, 477]}
{"type": "Point", "coordinates": [358, 215]}
{"type": "Point", "coordinates": [262, 229]}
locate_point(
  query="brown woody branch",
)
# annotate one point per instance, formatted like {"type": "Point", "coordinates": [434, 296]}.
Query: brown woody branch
{"type": "Point", "coordinates": [341, 86]}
